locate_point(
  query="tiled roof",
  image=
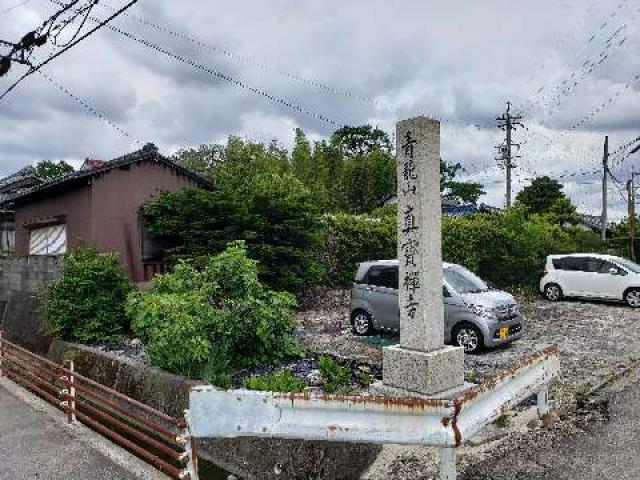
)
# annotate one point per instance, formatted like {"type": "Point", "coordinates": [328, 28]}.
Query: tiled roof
{"type": "Point", "coordinates": [148, 153]}
{"type": "Point", "coordinates": [20, 175]}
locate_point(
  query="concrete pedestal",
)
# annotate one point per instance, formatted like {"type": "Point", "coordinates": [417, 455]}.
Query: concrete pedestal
{"type": "Point", "coordinates": [425, 373]}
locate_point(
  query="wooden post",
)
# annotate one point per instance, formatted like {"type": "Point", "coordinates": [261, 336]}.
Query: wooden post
{"type": "Point", "coordinates": [71, 404]}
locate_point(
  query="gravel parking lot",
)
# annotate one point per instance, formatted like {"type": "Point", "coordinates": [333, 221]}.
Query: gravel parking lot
{"type": "Point", "coordinates": [595, 340]}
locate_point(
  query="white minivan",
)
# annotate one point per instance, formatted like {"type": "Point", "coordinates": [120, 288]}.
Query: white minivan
{"type": "Point", "coordinates": [590, 275]}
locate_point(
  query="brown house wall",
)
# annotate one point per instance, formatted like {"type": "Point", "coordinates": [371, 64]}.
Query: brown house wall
{"type": "Point", "coordinates": [118, 196]}
{"type": "Point", "coordinates": [74, 205]}
{"type": "Point", "coordinates": [104, 212]}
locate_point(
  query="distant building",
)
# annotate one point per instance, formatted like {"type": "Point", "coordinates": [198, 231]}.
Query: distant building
{"type": "Point", "coordinates": [592, 223]}
{"type": "Point", "coordinates": [450, 208]}
{"type": "Point", "coordinates": [99, 206]}
{"type": "Point", "coordinates": [13, 184]}
{"type": "Point", "coordinates": [91, 163]}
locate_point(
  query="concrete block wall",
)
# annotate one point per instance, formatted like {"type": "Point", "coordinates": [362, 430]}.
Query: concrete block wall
{"type": "Point", "coordinates": [21, 279]}
{"type": "Point", "coordinates": [26, 274]}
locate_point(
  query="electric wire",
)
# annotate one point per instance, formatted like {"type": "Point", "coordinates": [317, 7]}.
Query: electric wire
{"type": "Point", "coordinates": [89, 108]}
{"type": "Point", "coordinates": [34, 69]}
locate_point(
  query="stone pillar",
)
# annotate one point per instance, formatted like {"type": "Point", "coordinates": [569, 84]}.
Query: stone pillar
{"type": "Point", "coordinates": [421, 363]}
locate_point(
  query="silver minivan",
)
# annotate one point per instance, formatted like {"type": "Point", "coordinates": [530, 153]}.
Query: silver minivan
{"type": "Point", "coordinates": [475, 315]}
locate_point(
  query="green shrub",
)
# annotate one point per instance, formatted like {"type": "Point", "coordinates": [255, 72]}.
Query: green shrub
{"type": "Point", "coordinates": [335, 377]}
{"type": "Point", "coordinates": [351, 239]}
{"type": "Point", "coordinates": [275, 215]}
{"type": "Point", "coordinates": [508, 249]}
{"type": "Point", "coordinates": [206, 322]}
{"type": "Point", "coordinates": [86, 302]}
{"type": "Point", "coordinates": [283, 381]}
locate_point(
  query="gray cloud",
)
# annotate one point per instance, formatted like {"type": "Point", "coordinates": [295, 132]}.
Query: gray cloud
{"type": "Point", "coordinates": [458, 61]}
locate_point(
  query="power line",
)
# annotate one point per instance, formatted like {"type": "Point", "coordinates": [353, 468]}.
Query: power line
{"type": "Point", "coordinates": [252, 61]}
{"type": "Point", "coordinates": [219, 75]}
{"type": "Point", "coordinates": [90, 108]}
{"type": "Point", "coordinates": [288, 74]}
{"type": "Point", "coordinates": [17, 5]}
{"type": "Point", "coordinates": [34, 69]}
{"type": "Point", "coordinates": [603, 27]}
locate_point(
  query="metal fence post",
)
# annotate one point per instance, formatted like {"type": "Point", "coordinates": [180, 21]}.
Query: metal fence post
{"type": "Point", "coordinates": [71, 392]}
{"type": "Point", "coordinates": [448, 463]}
{"type": "Point", "coordinates": [543, 401]}
{"type": "Point", "coordinates": [190, 449]}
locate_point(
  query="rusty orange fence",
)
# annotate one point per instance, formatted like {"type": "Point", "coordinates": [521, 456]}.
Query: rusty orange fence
{"type": "Point", "coordinates": [159, 439]}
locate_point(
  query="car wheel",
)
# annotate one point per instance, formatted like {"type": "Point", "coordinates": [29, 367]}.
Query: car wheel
{"type": "Point", "coordinates": [632, 297]}
{"type": "Point", "coordinates": [362, 323]}
{"type": "Point", "coordinates": [552, 292]}
{"type": "Point", "coordinates": [468, 337]}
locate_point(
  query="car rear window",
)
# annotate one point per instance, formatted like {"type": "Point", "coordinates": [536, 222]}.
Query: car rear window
{"type": "Point", "coordinates": [382, 276]}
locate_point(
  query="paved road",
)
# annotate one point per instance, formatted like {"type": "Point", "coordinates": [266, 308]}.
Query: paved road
{"type": "Point", "coordinates": [33, 446]}
{"type": "Point", "coordinates": [607, 451]}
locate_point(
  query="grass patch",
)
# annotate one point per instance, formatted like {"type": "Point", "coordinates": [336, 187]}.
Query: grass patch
{"type": "Point", "coordinates": [283, 381]}
{"type": "Point", "coordinates": [503, 420]}
{"type": "Point", "coordinates": [335, 377]}
{"type": "Point", "coordinates": [379, 340]}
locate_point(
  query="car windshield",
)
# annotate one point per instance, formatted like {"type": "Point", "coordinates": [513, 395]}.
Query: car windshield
{"type": "Point", "coordinates": [463, 281]}
{"type": "Point", "coordinates": [628, 264]}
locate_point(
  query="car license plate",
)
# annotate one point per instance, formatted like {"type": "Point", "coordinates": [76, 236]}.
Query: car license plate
{"type": "Point", "coordinates": [504, 332]}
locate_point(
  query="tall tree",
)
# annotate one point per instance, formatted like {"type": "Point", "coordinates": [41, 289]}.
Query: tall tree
{"type": "Point", "coordinates": [301, 159]}
{"type": "Point", "coordinates": [448, 172]}
{"type": "Point", "coordinates": [362, 140]}
{"type": "Point", "coordinates": [329, 163]}
{"type": "Point", "coordinates": [47, 170]}
{"type": "Point", "coordinates": [541, 195]}
{"type": "Point", "coordinates": [203, 159]}
{"type": "Point", "coordinates": [464, 192]}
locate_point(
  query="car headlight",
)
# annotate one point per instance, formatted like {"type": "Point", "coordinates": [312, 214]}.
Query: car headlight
{"type": "Point", "coordinates": [482, 311]}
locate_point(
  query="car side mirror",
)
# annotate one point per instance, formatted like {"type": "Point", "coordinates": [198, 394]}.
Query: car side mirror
{"type": "Point", "coordinates": [614, 271]}
{"type": "Point", "coordinates": [445, 292]}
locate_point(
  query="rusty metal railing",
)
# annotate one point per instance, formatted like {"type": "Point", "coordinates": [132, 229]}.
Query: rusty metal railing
{"type": "Point", "coordinates": [157, 438]}
{"type": "Point", "coordinates": [446, 423]}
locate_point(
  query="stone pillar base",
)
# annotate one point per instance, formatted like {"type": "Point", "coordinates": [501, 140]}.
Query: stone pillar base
{"type": "Point", "coordinates": [425, 373]}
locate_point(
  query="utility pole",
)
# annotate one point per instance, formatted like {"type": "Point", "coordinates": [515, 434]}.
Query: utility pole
{"type": "Point", "coordinates": [631, 194]}
{"type": "Point", "coordinates": [508, 122]}
{"type": "Point", "coordinates": [605, 174]}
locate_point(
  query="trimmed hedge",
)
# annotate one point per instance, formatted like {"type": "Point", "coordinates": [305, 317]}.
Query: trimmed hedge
{"type": "Point", "coordinates": [508, 249]}
{"type": "Point", "coordinates": [351, 239]}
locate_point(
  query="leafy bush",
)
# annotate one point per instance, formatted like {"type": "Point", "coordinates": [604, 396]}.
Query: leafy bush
{"type": "Point", "coordinates": [283, 381]}
{"type": "Point", "coordinates": [274, 214]}
{"type": "Point", "coordinates": [86, 302]}
{"type": "Point", "coordinates": [335, 377]}
{"type": "Point", "coordinates": [351, 239]}
{"type": "Point", "coordinates": [507, 249]}
{"type": "Point", "coordinates": [206, 322]}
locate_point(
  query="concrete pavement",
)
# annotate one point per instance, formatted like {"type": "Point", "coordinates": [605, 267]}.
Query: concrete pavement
{"type": "Point", "coordinates": [33, 445]}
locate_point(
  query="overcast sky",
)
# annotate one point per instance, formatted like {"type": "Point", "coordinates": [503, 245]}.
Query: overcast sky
{"type": "Point", "coordinates": [355, 62]}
